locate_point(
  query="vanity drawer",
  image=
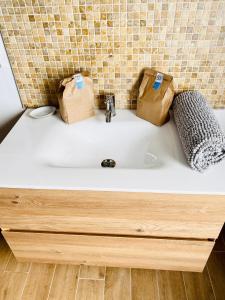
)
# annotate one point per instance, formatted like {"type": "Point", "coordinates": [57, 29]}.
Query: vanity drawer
{"type": "Point", "coordinates": [136, 252]}
{"type": "Point", "coordinates": [119, 213]}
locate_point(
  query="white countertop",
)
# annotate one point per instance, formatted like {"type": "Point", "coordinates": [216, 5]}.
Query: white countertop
{"type": "Point", "coordinates": [21, 164]}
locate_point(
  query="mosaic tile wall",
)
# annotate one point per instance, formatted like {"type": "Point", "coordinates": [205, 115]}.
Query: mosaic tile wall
{"type": "Point", "coordinates": [115, 39]}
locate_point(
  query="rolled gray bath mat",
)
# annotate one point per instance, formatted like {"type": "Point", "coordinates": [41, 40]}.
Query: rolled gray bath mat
{"type": "Point", "coordinates": [201, 136]}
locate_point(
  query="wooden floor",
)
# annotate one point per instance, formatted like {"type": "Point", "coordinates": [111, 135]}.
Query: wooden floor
{"type": "Point", "coordinates": [65, 282]}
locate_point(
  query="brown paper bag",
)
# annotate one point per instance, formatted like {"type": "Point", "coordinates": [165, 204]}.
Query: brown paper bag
{"type": "Point", "coordinates": [76, 104]}
{"type": "Point", "coordinates": [154, 101]}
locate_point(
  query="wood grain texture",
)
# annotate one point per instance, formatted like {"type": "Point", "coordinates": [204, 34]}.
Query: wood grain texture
{"type": "Point", "coordinates": [117, 284]}
{"type": "Point", "coordinates": [5, 254]}
{"type": "Point", "coordinates": [198, 286]}
{"type": "Point", "coordinates": [38, 282]}
{"type": "Point", "coordinates": [144, 284]}
{"type": "Point", "coordinates": [216, 267]}
{"type": "Point", "coordinates": [171, 286]}
{"type": "Point", "coordinates": [90, 290]}
{"type": "Point", "coordinates": [92, 272]}
{"type": "Point", "coordinates": [11, 285]}
{"type": "Point", "coordinates": [110, 251]}
{"type": "Point", "coordinates": [15, 266]}
{"type": "Point", "coordinates": [146, 214]}
{"type": "Point", "coordinates": [64, 284]}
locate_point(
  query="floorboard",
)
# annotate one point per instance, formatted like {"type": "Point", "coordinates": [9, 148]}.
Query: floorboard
{"type": "Point", "coordinates": [38, 282]}
{"type": "Point", "coordinates": [198, 286]}
{"type": "Point", "coordinates": [117, 284]}
{"type": "Point", "coordinates": [64, 283]}
{"type": "Point", "coordinates": [144, 284]}
{"type": "Point", "coordinates": [171, 285]}
{"type": "Point", "coordinates": [89, 289]}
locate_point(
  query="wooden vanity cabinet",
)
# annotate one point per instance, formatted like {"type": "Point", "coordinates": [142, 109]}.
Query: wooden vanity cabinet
{"type": "Point", "coordinates": [146, 230]}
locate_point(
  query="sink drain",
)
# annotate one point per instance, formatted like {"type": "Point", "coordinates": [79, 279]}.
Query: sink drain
{"type": "Point", "coordinates": [108, 163]}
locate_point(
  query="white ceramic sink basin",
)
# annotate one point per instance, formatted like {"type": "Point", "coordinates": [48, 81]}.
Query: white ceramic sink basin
{"type": "Point", "coordinates": [49, 154]}
{"type": "Point", "coordinates": [128, 140]}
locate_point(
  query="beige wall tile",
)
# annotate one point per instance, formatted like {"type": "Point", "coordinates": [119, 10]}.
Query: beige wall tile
{"type": "Point", "coordinates": [114, 41]}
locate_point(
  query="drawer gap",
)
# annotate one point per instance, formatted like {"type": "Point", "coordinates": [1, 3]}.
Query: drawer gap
{"type": "Point", "coordinates": [112, 235]}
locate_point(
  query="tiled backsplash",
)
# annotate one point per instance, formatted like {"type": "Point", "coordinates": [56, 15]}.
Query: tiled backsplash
{"type": "Point", "coordinates": [48, 40]}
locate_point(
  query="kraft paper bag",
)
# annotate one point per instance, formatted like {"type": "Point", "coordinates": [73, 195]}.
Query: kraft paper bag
{"type": "Point", "coordinates": [76, 103]}
{"type": "Point", "coordinates": [156, 94]}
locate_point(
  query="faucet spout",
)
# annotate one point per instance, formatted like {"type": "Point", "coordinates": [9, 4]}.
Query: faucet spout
{"type": "Point", "coordinates": [110, 107]}
{"type": "Point", "coordinates": [108, 116]}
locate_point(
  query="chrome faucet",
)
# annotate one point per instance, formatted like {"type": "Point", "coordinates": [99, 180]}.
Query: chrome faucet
{"type": "Point", "coordinates": [110, 107]}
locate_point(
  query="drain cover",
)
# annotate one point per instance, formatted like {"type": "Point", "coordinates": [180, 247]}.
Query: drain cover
{"type": "Point", "coordinates": [108, 163]}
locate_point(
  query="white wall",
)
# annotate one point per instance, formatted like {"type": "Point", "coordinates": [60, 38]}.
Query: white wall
{"type": "Point", "coordinates": [10, 103]}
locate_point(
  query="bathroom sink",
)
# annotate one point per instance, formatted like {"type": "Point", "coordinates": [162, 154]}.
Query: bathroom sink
{"type": "Point", "coordinates": [128, 141]}
{"type": "Point", "coordinates": [49, 154]}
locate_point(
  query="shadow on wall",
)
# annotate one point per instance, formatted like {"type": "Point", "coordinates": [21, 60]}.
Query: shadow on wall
{"type": "Point", "coordinates": [51, 87]}
{"type": "Point", "coordinates": [133, 93]}
{"type": "Point", "coordinates": [5, 129]}
{"type": "Point", "coordinates": [100, 100]}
